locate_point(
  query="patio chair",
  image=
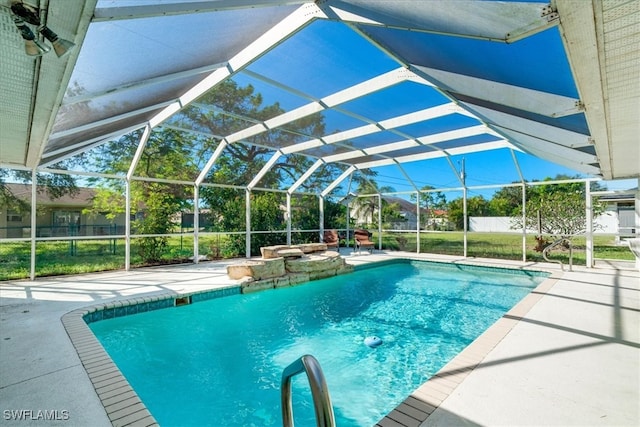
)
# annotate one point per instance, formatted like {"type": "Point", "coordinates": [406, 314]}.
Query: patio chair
{"type": "Point", "coordinates": [362, 240]}
{"type": "Point", "coordinates": [331, 239]}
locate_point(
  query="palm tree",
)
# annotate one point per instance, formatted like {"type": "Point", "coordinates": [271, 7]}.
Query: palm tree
{"type": "Point", "coordinates": [366, 207]}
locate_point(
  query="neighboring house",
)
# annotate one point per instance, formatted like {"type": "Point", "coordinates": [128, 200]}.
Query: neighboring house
{"type": "Point", "coordinates": [621, 206]}
{"type": "Point", "coordinates": [407, 212]}
{"type": "Point", "coordinates": [56, 217]}
{"type": "Point", "coordinates": [435, 219]}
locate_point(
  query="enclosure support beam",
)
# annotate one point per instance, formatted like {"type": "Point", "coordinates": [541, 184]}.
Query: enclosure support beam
{"type": "Point", "coordinates": [517, 165]}
{"type": "Point", "coordinates": [463, 181]}
{"type": "Point", "coordinates": [379, 222]}
{"type": "Point", "coordinates": [520, 98]}
{"type": "Point", "coordinates": [462, 178]}
{"type": "Point", "coordinates": [524, 222]}
{"type": "Point", "coordinates": [418, 222]}
{"type": "Point", "coordinates": [136, 157]}
{"type": "Point", "coordinates": [337, 182]}
{"type": "Point", "coordinates": [321, 219]}
{"type": "Point", "coordinates": [348, 218]}
{"type": "Point", "coordinates": [218, 151]}
{"type": "Point", "coordinates": [269, 40]}
{"type": "Point", "coordinates": [637, 218]}
{"type": "Point", "coordinates": [132, 167]}
{"type": "Point", "coordinates": [524, 204]}
{"type": "Point", "coordinates": [196, 224]}
{"type": "Point", "coordinates": [34, 212]}
{"type": "Point", "coordinates": [267, 166]}
{"type": "Point", "coordinates": [406, 176]}
{"type": "Point", "coordinates": [247, 200]}
{"type": "Point", "coordinates": [305, 176]}
{"type": "Point", "coordinates": [51, 157]}
{"type": "Point", "coordinates": [464, 216]}
{"type": "Point", "coordinates": [289, 219]}
{"type": "Point", "coordinates": [589, 217]}
{"type": "Point", "coordinates": [127, 225]}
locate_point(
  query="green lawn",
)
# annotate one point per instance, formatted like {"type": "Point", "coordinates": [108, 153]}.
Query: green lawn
{"type": "Point", "coordinates": [59, 257]}
{"type": "Point", "coordinates": [505, 246]}
{"type": "Point", "coordinates": [85, 256]}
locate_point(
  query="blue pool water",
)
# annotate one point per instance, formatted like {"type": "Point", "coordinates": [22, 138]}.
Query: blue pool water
{"type": "Point", "coordinates": [219, 362]}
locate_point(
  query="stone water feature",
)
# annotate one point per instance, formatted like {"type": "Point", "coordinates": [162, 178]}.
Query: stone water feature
{"type": "Point", "coordinates": [284, 265]}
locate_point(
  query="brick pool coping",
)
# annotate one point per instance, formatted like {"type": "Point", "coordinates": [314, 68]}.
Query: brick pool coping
{"type": "Point", "coordinates": [125, 408]}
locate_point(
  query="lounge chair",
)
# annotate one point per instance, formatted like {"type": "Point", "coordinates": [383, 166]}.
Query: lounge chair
{"type": "Point", "coordinates": [362, 241]}
{"type": "Point", "coordinates": [331, 239]}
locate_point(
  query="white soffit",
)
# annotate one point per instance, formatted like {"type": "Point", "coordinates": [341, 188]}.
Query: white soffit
{"type": "Point", "coordinates": [602, 40]}
{"type": "Point", "coordinates": [530, 127]}
{"type": "Point", "coordinates": [534, 101]}
{"type": "Point", "coordinates": [149, 9]}
{"type": "Point", "coordinates": [553, 151]}
{"type": "Point", "coordinates": [491, 20]}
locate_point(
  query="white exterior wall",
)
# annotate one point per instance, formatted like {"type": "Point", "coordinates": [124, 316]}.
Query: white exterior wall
{"type": "Point", "coordinates": [490, 224]}
{"type": "Point", "coordinates": [607, 223]}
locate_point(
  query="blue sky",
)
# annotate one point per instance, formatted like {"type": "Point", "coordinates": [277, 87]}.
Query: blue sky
{"type": "Point", "coordinates": [327, 57]}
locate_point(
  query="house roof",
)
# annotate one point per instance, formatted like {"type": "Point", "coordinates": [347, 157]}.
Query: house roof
{"type": "Point", "coordinates": [416, 81]}
{"type": "Point", "coordinates": [83, 198]}
{"type": "Point", "coordinates": [620, 196]}
{"type": "Point", "coordinates": [405, 205]}
{"type": "Point", "coordinates": [409, 206]}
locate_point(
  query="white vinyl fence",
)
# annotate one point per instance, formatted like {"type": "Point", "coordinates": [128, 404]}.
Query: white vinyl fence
{"type": "Point", "coordinates": [607, 223]}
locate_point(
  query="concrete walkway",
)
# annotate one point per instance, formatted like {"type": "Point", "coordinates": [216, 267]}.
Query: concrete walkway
{"type": "Point", "coordinates": [572, 359]}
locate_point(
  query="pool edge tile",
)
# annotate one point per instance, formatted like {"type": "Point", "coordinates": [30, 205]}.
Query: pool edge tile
{"type": "Point", "coordinates": [108, 381]}
{"type": "Point", "coordinates": [433, 392]}
{"type": "Point", "coordinates": [120, 401]}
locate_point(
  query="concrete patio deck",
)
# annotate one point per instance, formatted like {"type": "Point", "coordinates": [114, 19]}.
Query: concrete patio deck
{"type": "Point", "coordinates": [569, 354]}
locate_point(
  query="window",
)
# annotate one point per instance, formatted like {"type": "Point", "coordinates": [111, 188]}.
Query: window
{"type": "Point", "coordinates": [13, 216]}
{"type": "Point", "coordinates": [63, 218]}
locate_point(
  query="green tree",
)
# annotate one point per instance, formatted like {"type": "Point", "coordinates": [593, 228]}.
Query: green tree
{"type": "Point", "coordinates": [239, 164]}
{"type": "Point", "coordinates": [391, 213]}
{"type": "Point", "coordinates": [335, 215]}
{"type": "Point", "coordinates": [182, 156]}
{"type": "Point", "coordinates": [557, 209]}
{"type": "Point", "coordinates": [433, 203]}
{"type": "Point", "coordinates": [506, 202]}
{"type": "Point", "coordinates": [155, 206]}
{"type": "Point", "coordinates": [476, 206]}
{"type": "Point", "coordinates": [161, 204]}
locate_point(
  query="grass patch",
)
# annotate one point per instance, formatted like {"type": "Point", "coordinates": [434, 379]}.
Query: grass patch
{"type": "Point", "coordinates": [55, 258]}
{"type": "Point", "coordinates": [86, 256]}
{"type": "Point", "coordinates": [502, 246]}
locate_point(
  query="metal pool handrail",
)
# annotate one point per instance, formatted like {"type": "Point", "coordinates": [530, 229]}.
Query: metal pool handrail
{"type": "Point", "coordinates": [319, 391]}
{"type": "Point", "coordinates": [554, 244]}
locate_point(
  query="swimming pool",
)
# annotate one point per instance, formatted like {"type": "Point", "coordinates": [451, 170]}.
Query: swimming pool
{"type": "Point", "coordinates": [219, 362]}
